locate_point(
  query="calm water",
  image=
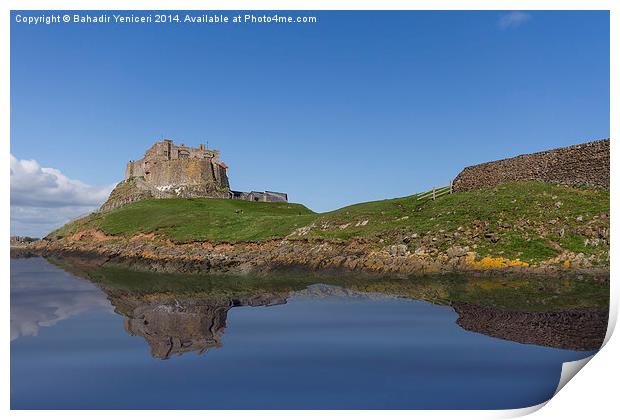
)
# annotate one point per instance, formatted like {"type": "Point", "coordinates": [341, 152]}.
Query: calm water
{"type": "Point", "coordinates": [77, 345]}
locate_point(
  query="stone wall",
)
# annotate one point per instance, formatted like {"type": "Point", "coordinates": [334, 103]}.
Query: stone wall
{"type": "Point", "coordinates": [583, 164]}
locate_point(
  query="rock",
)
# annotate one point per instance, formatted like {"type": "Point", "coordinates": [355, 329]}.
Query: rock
{"type": "Point", "coordinates": [398, 250]}
{"type": "Point", "coordinates": [420, 251]}
{"type": "Point", "coordinates": [491, 236]}
{"type": "Point", "coordinates": [457, 251]}
{"type": "Point", "coordinates": [579, 218]}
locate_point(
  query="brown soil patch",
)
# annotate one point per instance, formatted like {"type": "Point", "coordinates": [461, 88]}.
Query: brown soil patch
{"type": "Point", "coordinates": [142, 237]}
{"type": "Point", "coordinates": [91, 235]}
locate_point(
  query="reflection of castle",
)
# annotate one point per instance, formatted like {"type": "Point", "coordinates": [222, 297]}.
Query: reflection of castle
{"type": "Point", "coordinates": [168, 170]}
{"type": "Point", "coordinates": [173, 326]}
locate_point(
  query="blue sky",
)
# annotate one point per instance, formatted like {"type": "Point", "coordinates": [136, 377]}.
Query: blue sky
{"type": "Point", "coordinates": [359, 106]}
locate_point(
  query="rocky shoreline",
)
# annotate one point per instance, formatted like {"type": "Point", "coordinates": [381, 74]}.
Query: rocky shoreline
{"type": "Point", "coordinates": [149, 253]}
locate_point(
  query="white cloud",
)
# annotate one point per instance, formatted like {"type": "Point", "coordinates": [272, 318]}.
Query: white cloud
{"type": "Point", "coordinates": [43, 199]}
{"type": "Point", "coordinates": [43, 295]}
{"type": "Point", "coordinates": [32, 185]}
{"type": "Point", "coordinates": [513, 19]}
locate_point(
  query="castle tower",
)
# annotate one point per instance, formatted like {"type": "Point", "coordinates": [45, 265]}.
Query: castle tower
{"type": "Point", "coordinates": [166, 165]}
{"type": "Point", "coordinates": [168, 170]}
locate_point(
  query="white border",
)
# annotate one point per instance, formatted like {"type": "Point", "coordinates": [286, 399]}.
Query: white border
{"type": "Point", "coordinates": [592, 395]}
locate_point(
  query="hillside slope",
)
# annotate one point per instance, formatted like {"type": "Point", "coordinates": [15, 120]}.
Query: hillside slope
{"type": "Point", "coordinates": [196, 219]}
{"type": "Point", "coordinates": [531, 221]}
{"type": "Point", "coordinates": [525, 221]}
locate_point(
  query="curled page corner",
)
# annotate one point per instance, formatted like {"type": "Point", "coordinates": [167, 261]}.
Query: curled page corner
{"type": "Point", "coordinates": [521, 412]}
{"type": "Point", "coordinates": [570, 369]}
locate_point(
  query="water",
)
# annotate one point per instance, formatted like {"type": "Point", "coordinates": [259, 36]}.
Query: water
{"type": "Point", "coordinates": [80, 345]}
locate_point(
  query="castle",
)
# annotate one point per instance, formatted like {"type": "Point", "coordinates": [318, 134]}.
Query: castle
{"type": "Point", "coordinates": [167, 166]}
{"type": "Point", "coordinates": [168, 170]}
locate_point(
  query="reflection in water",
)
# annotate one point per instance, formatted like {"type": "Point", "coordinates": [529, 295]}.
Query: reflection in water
{"type": "Point", "coordinates": [42, 301]}
{"type": "Point", "coordinates": [327, 342]}
{"type": "Point", "coordinates": [174, 326]}
{"type": "Point", "coordinates": [178, 325]}
{"type": "Point", "coordinates": [575, 329]}
{"type": "Point", "coordinates": [178, 314]}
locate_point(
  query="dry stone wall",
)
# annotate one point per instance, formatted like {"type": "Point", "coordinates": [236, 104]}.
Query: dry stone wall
{"type": "Point", "coordinates": [583, 164]}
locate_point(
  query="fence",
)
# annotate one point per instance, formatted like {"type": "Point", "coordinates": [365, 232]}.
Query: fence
{"type": "Point", "coordinates": [435, 193]}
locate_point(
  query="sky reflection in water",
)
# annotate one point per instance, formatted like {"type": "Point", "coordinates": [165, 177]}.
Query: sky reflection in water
{"type": "Point", "coordinates": [75, 345]}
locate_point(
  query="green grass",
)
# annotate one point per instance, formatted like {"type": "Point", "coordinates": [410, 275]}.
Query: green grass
{"type": "Point", "coordinates": [525, 217]}
{"type": "Point", "coordinates": [575, 243]}
{"type": "Point", "coordinates": [532, 221]}
{"type": "Point", "coordinates": [198, 219]}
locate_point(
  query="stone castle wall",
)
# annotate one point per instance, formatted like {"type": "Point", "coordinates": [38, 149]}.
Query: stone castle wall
{"type": "Point", "coordinates": [186, 172]}
{"type": "Point", "coordinates": [166, 164]}
{"type": "Point", "coordinates": [583, 164]}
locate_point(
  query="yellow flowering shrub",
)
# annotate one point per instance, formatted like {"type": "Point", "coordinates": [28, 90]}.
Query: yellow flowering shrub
{"type": "Point", "coordinates": [493, 263]}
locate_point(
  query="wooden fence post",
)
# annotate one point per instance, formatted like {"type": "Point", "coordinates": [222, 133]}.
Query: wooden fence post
{"type": "Point", "coordinates": [433, 193]}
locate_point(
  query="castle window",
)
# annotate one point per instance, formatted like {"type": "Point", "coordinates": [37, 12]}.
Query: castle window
{"type": "Point", "coordinates": [183, 154]}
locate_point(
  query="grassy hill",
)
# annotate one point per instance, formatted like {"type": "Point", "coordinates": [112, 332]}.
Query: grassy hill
{"type": "Point", "coordinates": [197, 219]}
{"type": "Point", "coordinates": [531, 221]}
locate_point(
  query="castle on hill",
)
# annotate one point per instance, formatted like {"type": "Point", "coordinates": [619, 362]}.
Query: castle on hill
{"type": "Point", "coordinates": [166, 165]}
{"type": "Point", "coordinates": [168, 170]}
